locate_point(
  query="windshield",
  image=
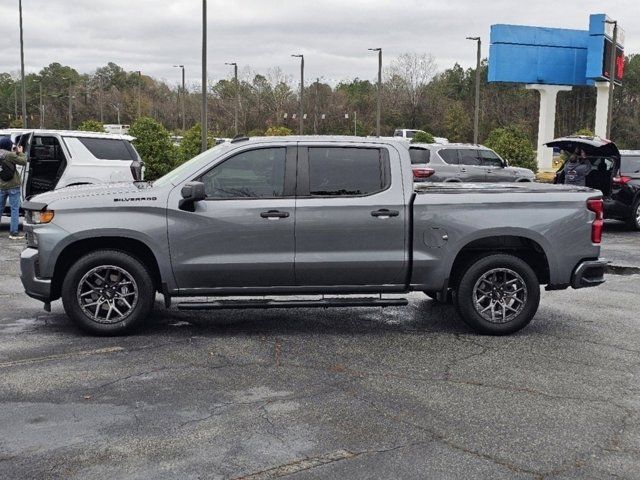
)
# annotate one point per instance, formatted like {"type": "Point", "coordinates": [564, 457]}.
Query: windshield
{"type": "Point", "coordinates": [192, 164]}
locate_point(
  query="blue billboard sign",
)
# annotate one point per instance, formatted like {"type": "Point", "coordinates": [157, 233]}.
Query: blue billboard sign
{"type": "Point", "coordinates": [553, 56]}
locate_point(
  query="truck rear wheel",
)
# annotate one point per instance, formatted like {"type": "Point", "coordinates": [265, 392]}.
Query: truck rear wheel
{"type": "Point", "coordinates": [108, 292]}
{"type": "Point", "coordinates": [498, 294]}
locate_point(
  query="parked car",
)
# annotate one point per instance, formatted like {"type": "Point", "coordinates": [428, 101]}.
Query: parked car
{"type": "Point", "coordinates": [307, 215]}
{"type": "Point", "coordinates": [57, 159]}
{"type": "Point", "coordinates": [458, 162]}
{"type": "Point", "coordinates": [615, 173]}
{"type": "Point", "coordinates": [408, 134]}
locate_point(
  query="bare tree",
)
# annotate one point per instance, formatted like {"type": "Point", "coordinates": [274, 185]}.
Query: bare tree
{"type": "Point", "coordinates": [407, 79]}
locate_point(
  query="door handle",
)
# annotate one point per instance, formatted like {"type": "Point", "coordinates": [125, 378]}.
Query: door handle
{"type": "Point", "coordinates": [463, 169]}
{"type": "Point", "coordinates": [274, 214]}
{"type": "Point", "coordinates": [385, 213]}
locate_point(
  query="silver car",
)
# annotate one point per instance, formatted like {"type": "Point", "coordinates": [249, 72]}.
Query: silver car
{"type": "Point", "coordinates": [457, 162]}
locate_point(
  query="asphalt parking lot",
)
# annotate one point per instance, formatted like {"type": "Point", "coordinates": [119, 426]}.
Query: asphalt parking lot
{"type": "Point", "coordinates": [353, 393]}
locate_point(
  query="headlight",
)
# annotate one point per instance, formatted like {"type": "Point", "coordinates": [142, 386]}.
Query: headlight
{"type": "Point", "coordinates": [42, 216]}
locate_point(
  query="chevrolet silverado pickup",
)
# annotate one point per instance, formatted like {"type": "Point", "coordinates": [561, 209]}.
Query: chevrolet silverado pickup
{"type": "Point", "coordinates": [338, 218]}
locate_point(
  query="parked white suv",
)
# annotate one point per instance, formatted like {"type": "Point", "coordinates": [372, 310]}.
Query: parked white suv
{"type": "Point", "coordinates": [409, 133]}
{"type": "Point", "coordinates": [61, 158]}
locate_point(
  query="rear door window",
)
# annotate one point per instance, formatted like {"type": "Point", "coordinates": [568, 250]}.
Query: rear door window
{"type": "Point", "coordinates": [419, 155]}
{"type": "Point", "coordinates": [450, 156]}
{"type": "Point", "coordinates": [109, 148]}
{"type": "Point", "coordinates": [630, 165]}
{"type": "Point", "coordinates": [348, 171]}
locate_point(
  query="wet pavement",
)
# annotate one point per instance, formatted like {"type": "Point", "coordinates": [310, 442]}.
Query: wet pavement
{"type": "Point", "coordinates": [349, 393]}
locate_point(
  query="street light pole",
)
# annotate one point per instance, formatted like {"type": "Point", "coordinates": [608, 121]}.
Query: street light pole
{"type": "Point", "coordinates": [476, 113]}
{"type": "Point", "coordinates": [184, 127]}
{"type": "Point", "coordinates": [379, 50]}
{"type": "Point", "coordinates": [612, 73]}
{"type": "Point", "coordinates": [301, 112]}
{"type": "Point", "coordinates": [24, 88]}
{"type": "Point", "coordinates": [139, 92]}
{"type": "Point", "coordinates": [70, 106]}
{"type": "Point", "coordinates": [41, 107]}
{"type": "Point", "coordinates": [236, 87]}
{"type": "Point", "coordinates": [100, 93]}
{"type": "Point", "coordinates": [203, 113]}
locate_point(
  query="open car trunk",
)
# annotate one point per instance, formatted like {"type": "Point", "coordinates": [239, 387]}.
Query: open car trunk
{"type": "Point", "coordinates": [603, 155]}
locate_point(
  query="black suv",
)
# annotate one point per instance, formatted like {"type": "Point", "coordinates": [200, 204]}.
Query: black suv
{"type": "Point", "coordinates": [615, 173]}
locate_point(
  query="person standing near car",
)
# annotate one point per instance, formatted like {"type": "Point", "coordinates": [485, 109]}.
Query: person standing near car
{"type": "Point", "coordinates": [10, 183]}
{"type": "Point", "coordinates": [577, 168]}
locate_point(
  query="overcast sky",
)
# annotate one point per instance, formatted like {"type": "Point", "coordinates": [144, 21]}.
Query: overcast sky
{"type": "Point", "coordinates": [152, 35]}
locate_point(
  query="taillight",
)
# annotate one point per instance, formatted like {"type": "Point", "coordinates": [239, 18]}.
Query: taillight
{"type": "Point", "coordinates": [420, 173]}
{"type": "Point", "coordinates": [597, 207]}
{"type": "Point", "coordinates": [621, 179]}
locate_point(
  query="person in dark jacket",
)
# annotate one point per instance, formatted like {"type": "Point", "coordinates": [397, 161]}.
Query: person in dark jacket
{"type": "Point", "coordinates": [10, 189]}
{"type": "Point", "coordinates": [577, 168]}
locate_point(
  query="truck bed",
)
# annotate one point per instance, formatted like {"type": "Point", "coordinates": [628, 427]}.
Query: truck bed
{"type": "Point", "coordinates": [523, 187]}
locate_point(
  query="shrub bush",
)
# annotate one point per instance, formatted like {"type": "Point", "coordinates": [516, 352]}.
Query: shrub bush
{"type": "Point", "coordinates": [422, 137]}
{"type": "Point", "coordinates": [154, 145]}
{"type": "Point", "coordinates": [512, 144]}
{"type": "Point", "coordinates": [91, 126]}
{"type": "Point", "coordinates": [278, 131]}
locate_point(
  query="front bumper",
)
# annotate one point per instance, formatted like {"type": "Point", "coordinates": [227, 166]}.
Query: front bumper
{"type": "Point", "coordinates": [35, 287]}
{"type": "Point", "coordinates": [589, 273]}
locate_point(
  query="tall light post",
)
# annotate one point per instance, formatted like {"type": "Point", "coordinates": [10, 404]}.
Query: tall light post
{"type": "Point", "coordinates": [612, 73]}
{"type": "Point", "coordinates": [41, 107]}
{"type": "Point", "coordinates": [203, 113]}
{"type": "Point", "coordinates": [183, 93]}
{"type": "Point", "coordinates": [24, 88]}
{"type": "Point", "coordinates": [476, 113]}
{"type": "Point", "coordinates": [70, 106]}
{"type": "Point", "coordinates": [301, 113]}
{"type": "Point", "coordinates": [139, 93]}
{"type": "Point", "coordinates": [70, 109]}
{"type": "Point", "coordinates": [236, 87]}
{"type": "Point", "coordinates": [100, 97]}
{"type": "Point", "coordinates": [379, 50]}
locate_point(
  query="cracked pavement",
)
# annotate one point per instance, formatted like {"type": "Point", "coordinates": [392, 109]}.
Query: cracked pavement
{"type": "Point", "coordinates": [338, 393]}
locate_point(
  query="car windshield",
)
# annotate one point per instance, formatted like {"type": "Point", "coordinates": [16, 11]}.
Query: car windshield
{"type": "Point", "coordinates": [630, 165]}
{"type": "Point", "coordinates": [203, 158]}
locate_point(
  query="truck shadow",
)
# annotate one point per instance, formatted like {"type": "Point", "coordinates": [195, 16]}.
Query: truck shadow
{"type": "Point", "coordinates": [421, 315]}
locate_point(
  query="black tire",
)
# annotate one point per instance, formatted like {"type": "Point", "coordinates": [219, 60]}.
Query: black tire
{"type": "Point", "coordinates": [510, 274]}
{"type": "Point", "coordinates": [119, 283]}
{"type": "Point", "coordinates": [634, 219]}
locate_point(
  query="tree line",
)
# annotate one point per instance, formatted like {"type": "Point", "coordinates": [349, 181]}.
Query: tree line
{"type": "Point", "coordinates": [414, 95]}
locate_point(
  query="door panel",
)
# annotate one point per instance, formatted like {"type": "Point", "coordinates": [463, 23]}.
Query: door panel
{"type": "Point", "coordinates": [242, 235]}
{"type": "Point", "coordinates": [350, 218]}
{"type": "Point", "coordinates": [494, 167]}
{"type": "Point", "coordinates": [450, 170]}
{"type": "Point", "coordinates": [470, 168]}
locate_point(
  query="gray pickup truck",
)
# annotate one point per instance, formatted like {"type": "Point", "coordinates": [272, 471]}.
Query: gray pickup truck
{"type": "Point", "coordinates": [302, 216]}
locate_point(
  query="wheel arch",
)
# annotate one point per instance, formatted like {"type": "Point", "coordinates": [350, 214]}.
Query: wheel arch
{"type": "Point", "coordinates": [523, 247]}
{"type": "Point", "coordinates": [79, 248]}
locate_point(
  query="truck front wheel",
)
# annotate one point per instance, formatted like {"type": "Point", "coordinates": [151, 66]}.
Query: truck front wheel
{"type": "Point", "coordinates": [108, 292]}
{"type": "Point", "coordinates": [498, 294]}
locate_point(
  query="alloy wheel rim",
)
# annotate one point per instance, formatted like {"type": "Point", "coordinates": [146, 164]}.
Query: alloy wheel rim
{"type": "Point", "coordinates": [638, 215]}
{"type": "Point", "coordinates": [107, 294]}
{"type": "Point", "coordinates": [500, 295]}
